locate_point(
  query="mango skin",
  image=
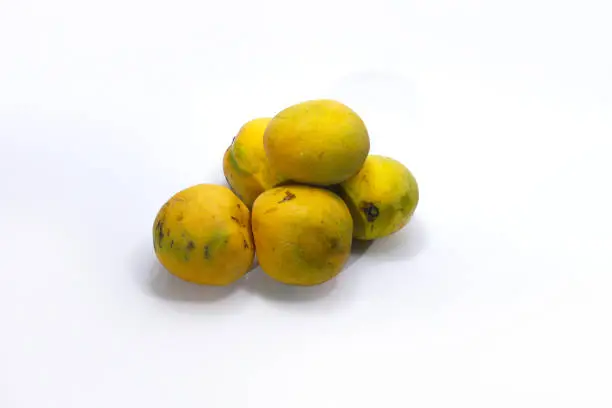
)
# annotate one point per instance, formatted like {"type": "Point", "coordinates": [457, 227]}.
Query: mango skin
{"type": "Point", "coordinates": [320, 142]}
{"type": "Point", "coordinates": [382, 197]}
{"type": "Point", "coordinates": [246, 165]}
{"type": "Point", "coordinates": [303, 234]}
{"type": "Point", "coordinates": [202, 235]}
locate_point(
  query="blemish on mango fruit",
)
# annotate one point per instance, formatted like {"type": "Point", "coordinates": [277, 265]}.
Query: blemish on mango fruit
{"type": "Point", "coordinates": [288, 196]}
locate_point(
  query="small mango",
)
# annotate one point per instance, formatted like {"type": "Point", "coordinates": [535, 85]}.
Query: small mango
{"type": "Point", "coordinates": [246, 165]}
{"type": "Point", "coordinates": [203, 235]}
{"type": "Point", "coordinates": [382, 197]}
{"type": "Point", "coordinates": [303, 234]}
{"type": "Point", "coordinates": [320, 142]}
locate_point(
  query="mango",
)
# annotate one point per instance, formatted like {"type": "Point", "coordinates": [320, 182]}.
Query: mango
{"type": "Point", "coordinates": [246, 165]}
{"type": "Point", "coordinates": [320, 142]}
{"type": "Point", "coordinates": [302, 234]}
{"type": "Point", "coordinates": [382, 197]}
{"type": "Point", "coordinates": [203, 235]}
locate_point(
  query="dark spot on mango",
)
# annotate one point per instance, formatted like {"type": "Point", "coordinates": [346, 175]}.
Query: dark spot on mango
{"type": "Point", "coordinates": [190, 246]}
{"type": "Point", "coordinates": [180, 217]}
{"type": "Point", "coordinates": [160, 232]}
{"type": "Point", "coordinates": [171, 243]}
{"type": "Point", "coordinates": [334, 243]}
{"type": "Point", "coordinates": [239, 206]}
{"type": "Point", "coordinates": [236, 220]}
{"type": "Point", "coordinates": [245, 244]}
{"type": "Point", "coordinates": [271, 210]}
{"type": "Point", "coordinates": [288, 196]}
{"type": "Point", "coordinates": [206, 252]}
{"type": "Point", "coordinates": [370, 210]}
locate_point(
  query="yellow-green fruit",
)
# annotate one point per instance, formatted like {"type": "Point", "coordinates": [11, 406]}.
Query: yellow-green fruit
{"type": "Point", "coordinates": [382, 197]}
{"type": "Point", "coordinates": [302, 234]}
{"type": "Point", "coordinates": [203, 235]}
{"type": "Point", "coordinates": [245, 164]}
{"type": "Point", "coordinates": [319, 142]}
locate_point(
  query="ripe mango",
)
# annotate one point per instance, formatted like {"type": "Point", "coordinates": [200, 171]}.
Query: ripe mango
{"type": "Point", "coordinates": [246, 165]}
{"type": "Point", "coordinates": [319, 142]}
{"type": "Point", "coordinates": [382, 197]}
{"type": "Point", "coordinates": [302, 234]}
{"type": "Point", "coordinates": [203, 235]}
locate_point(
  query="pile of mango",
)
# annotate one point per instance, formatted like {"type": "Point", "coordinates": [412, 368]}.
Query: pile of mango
{"type": "Point", "coordinates": [302, 188]}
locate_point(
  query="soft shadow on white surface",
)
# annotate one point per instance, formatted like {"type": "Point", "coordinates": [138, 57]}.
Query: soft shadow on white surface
{"type": "Point", "coordinates": [169, 287]}
{"type": "Point", "coordinates": [261, 284]}
{"type": "Point", "coordinates": [403, 245]}
{"type": "Point", "coordinates": [358, 250]}
{"type": "Point", "coordinates": [372, 265]}
{"type": "Point", "coordinates": [156, 281]}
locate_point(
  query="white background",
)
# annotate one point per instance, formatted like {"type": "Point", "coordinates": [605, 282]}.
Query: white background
{"type": "Point", "coordinates": [497, 294]}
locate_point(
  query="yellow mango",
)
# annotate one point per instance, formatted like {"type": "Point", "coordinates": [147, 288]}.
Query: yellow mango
{"type": "Point", "coordinates": [319, 142]}
{"type": "Point", "coordinates": [246, 165]}
{"type": "Point", "coordinates": [203, 235]}
{"type": "Point", "coordinates": [382, 197]}
{"type": "Point", "coordinates": [302, 234]}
